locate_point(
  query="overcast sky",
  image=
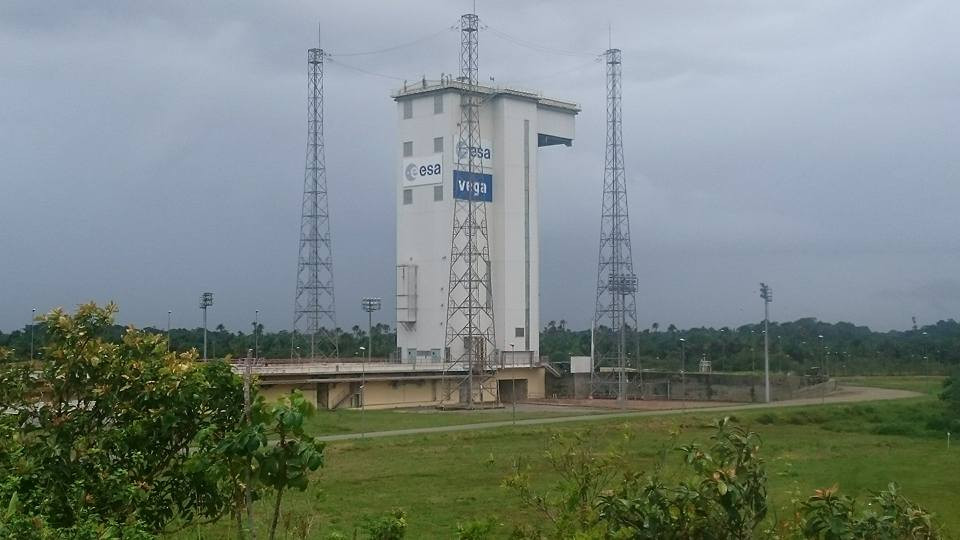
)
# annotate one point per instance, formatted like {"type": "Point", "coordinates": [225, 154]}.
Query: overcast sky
{"type": "Point", "coordinates": [150, 151]}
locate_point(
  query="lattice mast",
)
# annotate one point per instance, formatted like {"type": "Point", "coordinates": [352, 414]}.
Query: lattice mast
{"type": "Point", "coordinates": [616, 304]}
{"type": "Point", "coordinates": [470, 340]}
{"type": "Point", "coordinates": [314, 322]}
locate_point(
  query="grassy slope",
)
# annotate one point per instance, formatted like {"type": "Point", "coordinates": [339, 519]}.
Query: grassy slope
{"type": "Point", "coordinates": [442, 479]}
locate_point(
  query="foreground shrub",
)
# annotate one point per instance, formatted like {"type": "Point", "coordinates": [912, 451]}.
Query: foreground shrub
{"type": "Point", "coordinates": [719, 492]}
{"type": "Point", "coordinates": [127, 440]}
{"type": "Point", "coordinates": [122, 433]}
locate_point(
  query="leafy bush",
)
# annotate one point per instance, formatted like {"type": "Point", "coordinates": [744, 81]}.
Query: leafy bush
{"type": "Point", "coordinates": [720, 492]}
{"type": "Point", "coordinates": [392, 526]}
{"type": "Point", "coordinates": [127, 440]}
{"type": "Point", "coordinates": [475, 530]}
{"type": "Point", "coordinates": [830, 516]}
{"type": "Point", "coordinates": [115, 433]}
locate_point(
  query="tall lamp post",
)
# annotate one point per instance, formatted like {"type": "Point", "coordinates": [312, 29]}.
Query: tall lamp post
{"type": "Point", "coordinates": [256, 333]}
{"type": "Point", "coordinates": [369, 304]}
{"type": "Point", "coordinates": [823, 388]}
{"type": "Point", "coordinates": [513, 381]}
{"type": "Point", "coordinates": [363, 388]}
{"type": "Point", "coordinates": [33, 326]}
{"type": "Point", "coordinates": [683, 369]}
{"type": "Point", "coordinates": [206, 300]}
{"type": "Point", "coordinates": [767, 294]}
{"type": "Point", "coordinates": [924, 351]}
{"type": "Point", "coordinates": [169, 314]}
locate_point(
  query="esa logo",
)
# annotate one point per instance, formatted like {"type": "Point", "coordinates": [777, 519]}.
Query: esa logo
{"type": "Point", "coordinates": [463, 150]}
{"type": "Point", "coordinates": [414, 171]}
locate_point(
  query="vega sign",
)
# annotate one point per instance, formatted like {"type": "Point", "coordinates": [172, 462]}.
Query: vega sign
{"type": "Point", "coordinates": [472, 186]}
{"type": "Point", "coordinates": [422, 171]}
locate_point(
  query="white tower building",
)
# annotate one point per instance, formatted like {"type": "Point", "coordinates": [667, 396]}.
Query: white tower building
{"type": "Point", "coordinates": [513, 125]}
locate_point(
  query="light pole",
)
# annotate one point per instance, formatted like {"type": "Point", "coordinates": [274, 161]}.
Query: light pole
{"type": "Point", "coordinates": [363, 388]}
{"type": "Point", "coordinates": [256, 333]}
{"type": "Point", "coordinates": [823, 389]}
{"type": "Point", "coordinates": [723, 344]}
{"type": "Point", "coordinates": [820, 342]}
{"type": "Point", "coordinates": [767, 294]}
{"type": "Point", "coordinates": [924, 350]}
{"type": "Point", "coordinates": [683, 369]}
{"type": "Point", "coordinates": [513, 392]}
{"type": "Point", "coordinates": [33, 326]}
{"type": "Point", "coordinates": [206, 300]}
{"type": "Point", "coordinates": [247, 492]}
{"type": "Point", "coordinates": [370, 304]}
{"type": "Point", "coordinates": [169, 313]}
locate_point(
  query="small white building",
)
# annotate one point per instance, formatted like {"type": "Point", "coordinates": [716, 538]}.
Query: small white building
{"type": "Point", "coordinates": [513, 125]}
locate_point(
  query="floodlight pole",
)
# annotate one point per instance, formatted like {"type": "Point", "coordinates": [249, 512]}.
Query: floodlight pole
{"type": "Point", "coordinates": [256, 333]}
{"type": "Point", "coordinates": [363, 388]}
{"type": "Point", "coordinates": [823, 388]}
{"type": "Point", "coordinates": [33, 326]}
{"type": "Point", "coordinates": [247, 493]}
{"type": "Point", "coordinates": [369, 304]}
{"type": "Point", "coordinates": [206, 300]}
{"type": "Point", "coordinates": [683, 369]}
{"type": "Point", "coordinates": [169, 313]}
{"type": "Point", "coordinates": [513, 379]}
{"type": "Point", "coordinates": [767, 294]}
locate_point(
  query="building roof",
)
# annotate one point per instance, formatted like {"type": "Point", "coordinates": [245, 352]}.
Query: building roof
{"type": "Point", "coordinates": [426, 86]}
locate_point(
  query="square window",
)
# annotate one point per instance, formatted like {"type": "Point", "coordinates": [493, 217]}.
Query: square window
{"type": "Point", "coordinates": [438, 144]}
{"type": "Point", "coordinates": [407, 109]}
{"type": "Point", "coordinates": [408, 149]}
{"type": "Point", "coordinates": [408, 196]}
{"type": "Point", "coordinates": [437, 104]}
{"type": "Point", "coordinates": [438, 193]}
{"type": "Point", "coordinates": [518, 332]}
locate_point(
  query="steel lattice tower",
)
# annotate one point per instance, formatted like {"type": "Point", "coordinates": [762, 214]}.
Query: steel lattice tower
{"type": "Point", "coordinates": [616, 305]}
{"type": "Point", "coordinates": [314, 321]}
{"type": "Point", "coordinates": [470, 340]}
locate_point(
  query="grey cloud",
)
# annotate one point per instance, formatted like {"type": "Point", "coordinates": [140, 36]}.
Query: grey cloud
{"type": "Point", "coordinates": [150, 151]}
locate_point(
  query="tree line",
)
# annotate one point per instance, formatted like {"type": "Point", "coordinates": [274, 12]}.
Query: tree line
{"type": "Point", "coordinates": [220, 341]}
{"type": "Point", "coordinates": [838, 348]}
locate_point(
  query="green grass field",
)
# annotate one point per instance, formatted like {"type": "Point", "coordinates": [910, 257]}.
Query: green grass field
{"type": "Point", "coordinates": [354, 421]}
{"type": "Point", "coordinates": [442, 479]}
{"type": "Point", "coordinates": [924, 384]}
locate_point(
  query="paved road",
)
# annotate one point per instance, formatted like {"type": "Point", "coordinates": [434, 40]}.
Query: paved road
{"type": "Point", "coordinates": [846, 394]}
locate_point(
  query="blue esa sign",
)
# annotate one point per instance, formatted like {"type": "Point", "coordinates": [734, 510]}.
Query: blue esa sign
{"type": "Point", "coordinates": [472, 186]}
